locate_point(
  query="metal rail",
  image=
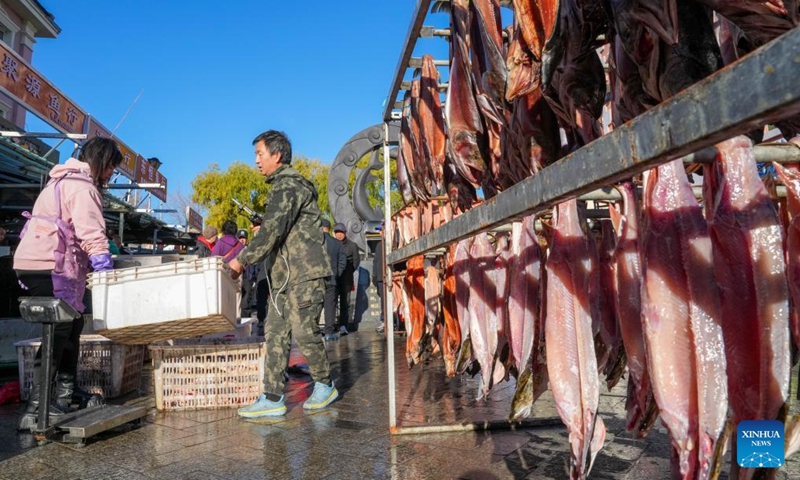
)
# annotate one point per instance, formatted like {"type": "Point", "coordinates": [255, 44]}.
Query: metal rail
{"type": "Point", "coordinates": [442, 87]}
{"type": "Point", "coordinates": [714, 109]}
{"type": "Point", "coordinates": [417, 63]}
{"type": "Point", "coordinates": [420, 12]}
{"type": "Point", "coordinates": [134, 186]}
{"type": "Point", "coordinates": [13, 134]}
{"type": "Point", "coordinates": [480, 426]}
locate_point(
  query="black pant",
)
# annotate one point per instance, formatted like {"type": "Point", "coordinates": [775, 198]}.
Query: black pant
{"type": "Point", "coordinates": [330, 307]}
{"type": "Point", "coordinates": [67, 337]}
{"type": "Point", "coordinates": [343, 294]}
{"type": "Point", "coordinates": [379, 287]}
{"type": "Point", "coordinates": [262, 299]}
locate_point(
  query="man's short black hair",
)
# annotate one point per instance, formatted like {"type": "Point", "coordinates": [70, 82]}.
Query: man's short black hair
{"type": "Point", "coordinates": [276, 142]}
{"type": "Point", "coordinates": [229, 227]}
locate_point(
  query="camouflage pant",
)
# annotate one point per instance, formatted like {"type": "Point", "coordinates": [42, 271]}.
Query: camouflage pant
{"type": "Point", "coordinates": [297, 312]}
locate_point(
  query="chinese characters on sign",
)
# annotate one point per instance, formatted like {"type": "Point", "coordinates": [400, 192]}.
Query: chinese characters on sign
{"type": "Point", "coordinates": [24, 84]}
{"type": "Point", "coordinates": [146, 173]}
{"type": "Point", "coordinates": [161, 194]}
{"type": "Point", "coordinates": [193, 219]}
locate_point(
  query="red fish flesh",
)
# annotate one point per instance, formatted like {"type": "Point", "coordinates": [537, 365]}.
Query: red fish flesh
{"type": "Point", "coordinates": [751, 271]}
{"type": "Point", "coordinates": [640, 405]}
{"type": "Point", "coordinates": [571, 361]}
{"type": "Point", "coordinates": [682, 322]}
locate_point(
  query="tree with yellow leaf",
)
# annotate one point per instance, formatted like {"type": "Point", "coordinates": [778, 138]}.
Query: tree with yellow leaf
{"type": "Point", "coordinates": [214, 188]}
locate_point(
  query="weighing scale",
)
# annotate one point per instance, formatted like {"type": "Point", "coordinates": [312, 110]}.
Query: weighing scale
{"type": "Point", "coordinates": [80, 425]}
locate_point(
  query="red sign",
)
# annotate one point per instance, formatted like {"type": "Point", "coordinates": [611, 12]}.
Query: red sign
{"type": "Point", "coordinates": [129, 157]}
{"type": "Point", "coordinates": [194, 219]}
{"type": "Point", "coordinates": [25, 85]}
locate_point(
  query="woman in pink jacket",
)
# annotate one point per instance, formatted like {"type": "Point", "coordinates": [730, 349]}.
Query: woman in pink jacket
{"type": "Point", "coordinates": [65, 236]}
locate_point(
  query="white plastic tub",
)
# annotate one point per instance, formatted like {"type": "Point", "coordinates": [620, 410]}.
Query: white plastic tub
{"type": "Point", "coordinates": [140, 305]}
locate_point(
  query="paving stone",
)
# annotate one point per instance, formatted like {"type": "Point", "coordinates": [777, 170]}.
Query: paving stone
{"type": "Point", "coordinates": [177, 469]}
{"type": "Point", "coordinates": [628, 452]}
{"type": "Point", "coordinates": [283, 445]}
{"type": "Point", "coordinates": [451, 463]}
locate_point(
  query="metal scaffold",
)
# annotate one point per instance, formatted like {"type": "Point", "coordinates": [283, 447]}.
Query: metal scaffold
{"type": "Point", "coordinates": [687, 124]}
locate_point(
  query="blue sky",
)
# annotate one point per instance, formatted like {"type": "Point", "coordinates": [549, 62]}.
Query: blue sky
{"type": "Point", "coordinates": [216, 74]}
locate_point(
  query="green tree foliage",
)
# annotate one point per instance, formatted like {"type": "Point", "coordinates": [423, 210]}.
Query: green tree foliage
{"type": "Point", "coordinates": [375, 188]}
{"type": "Point", "coordinates": [315, 171]}
{"type": "Point", "coordinates": [213, 189]}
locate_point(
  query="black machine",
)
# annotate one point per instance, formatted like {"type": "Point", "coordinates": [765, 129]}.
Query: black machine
{"type": "Point", "coordinates": [248, 212]}
{"type": "Point", "coordinates": [77, 426]}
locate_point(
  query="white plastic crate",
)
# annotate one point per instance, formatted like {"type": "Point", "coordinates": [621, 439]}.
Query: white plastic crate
{"type": "Point", "coordinates": [210, 373]}
{"type": "Point", "coordinates": [141, 305]}
{"type": "Point", "coordinates": [103, 366]}
{"type": "Point", "coordinates": [245, 330]}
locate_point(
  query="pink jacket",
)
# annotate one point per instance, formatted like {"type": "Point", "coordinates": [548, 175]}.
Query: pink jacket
{"type": "Point", "coordinates": [81, 205]}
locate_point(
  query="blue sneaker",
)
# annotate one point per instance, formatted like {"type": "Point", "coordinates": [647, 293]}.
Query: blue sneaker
{"type": "Point", "coordinates": [263, 407]}
{"type": "Point", "coordinates": [321, 397]}
{"type": "Point", "coordinates": [332, 336]}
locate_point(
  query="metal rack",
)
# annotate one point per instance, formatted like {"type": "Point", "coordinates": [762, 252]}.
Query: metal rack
{"type": "Point", "coordinates": [712, 110]}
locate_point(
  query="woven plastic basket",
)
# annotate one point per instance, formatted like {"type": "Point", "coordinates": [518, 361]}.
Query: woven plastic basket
{"type": "Point", "coordinates": [208, 373]}
{"type": "Point", "coordinates": [103, 366]}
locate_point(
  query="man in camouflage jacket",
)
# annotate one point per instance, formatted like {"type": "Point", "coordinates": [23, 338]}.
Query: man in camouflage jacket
{"type": "Point", "coordinates": [293, 246]}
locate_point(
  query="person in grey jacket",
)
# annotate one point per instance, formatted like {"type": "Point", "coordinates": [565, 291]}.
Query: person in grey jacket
{"type": "Point", "coordinates": [338, 264]}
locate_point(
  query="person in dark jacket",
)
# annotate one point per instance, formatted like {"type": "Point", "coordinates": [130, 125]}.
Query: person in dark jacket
{"type": "Point", "coordinates": [293, 246]}
{"type": "Point", "coordinates": [377, 276]}
{"type": "Point", "coordinates": [345, 282]}
{"type": "Point", "coordinates": [228, 246]}
{"type": "Point", "coordinates": [242, 235]}
{"type": "Point", "coordinates": [206, 241]}
{"type": "Point", "coordinates": [338, 264]}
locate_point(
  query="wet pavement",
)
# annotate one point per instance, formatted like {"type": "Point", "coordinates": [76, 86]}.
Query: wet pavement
{"type": "Point", "coordinates": [350, 439]}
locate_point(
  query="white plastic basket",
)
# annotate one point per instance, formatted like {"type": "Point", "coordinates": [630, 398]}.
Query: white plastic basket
{"type": "Point", "coordinates": [141, 305]}
{"type": "Point", "coordinates": [243, 331]}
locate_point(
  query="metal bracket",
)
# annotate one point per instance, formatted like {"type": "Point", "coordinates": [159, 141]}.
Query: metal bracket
{"type": "Point", "coordinates": [354, 213]}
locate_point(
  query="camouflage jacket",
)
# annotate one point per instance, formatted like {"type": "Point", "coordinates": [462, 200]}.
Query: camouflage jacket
{"type": "Point", "coordinates": [290, 240]}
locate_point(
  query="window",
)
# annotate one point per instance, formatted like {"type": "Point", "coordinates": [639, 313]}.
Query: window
{"type": "Point", "coordinates": [6, 35]}
{"type": "Point", "coordinates": [5, 110]}
{"type": "Point", "coordinates": [7, 29]}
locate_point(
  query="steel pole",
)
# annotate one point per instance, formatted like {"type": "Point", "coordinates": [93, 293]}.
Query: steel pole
{"type": "Point", "coordinates": [121, 227]}
{"type": "Point", "coordinates": [45, 378]}
{"type": "Point", "coordinates": [388, 318]}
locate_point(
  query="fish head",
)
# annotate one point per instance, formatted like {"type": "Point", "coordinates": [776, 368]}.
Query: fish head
{"type": "Point", "coordinates": [465, 149]}
{"type": "Point", "coordinates": [633, 35]}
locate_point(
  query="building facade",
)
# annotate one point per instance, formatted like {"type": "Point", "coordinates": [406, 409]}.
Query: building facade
{"type": "Point", "coordinates": [21, 23]}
